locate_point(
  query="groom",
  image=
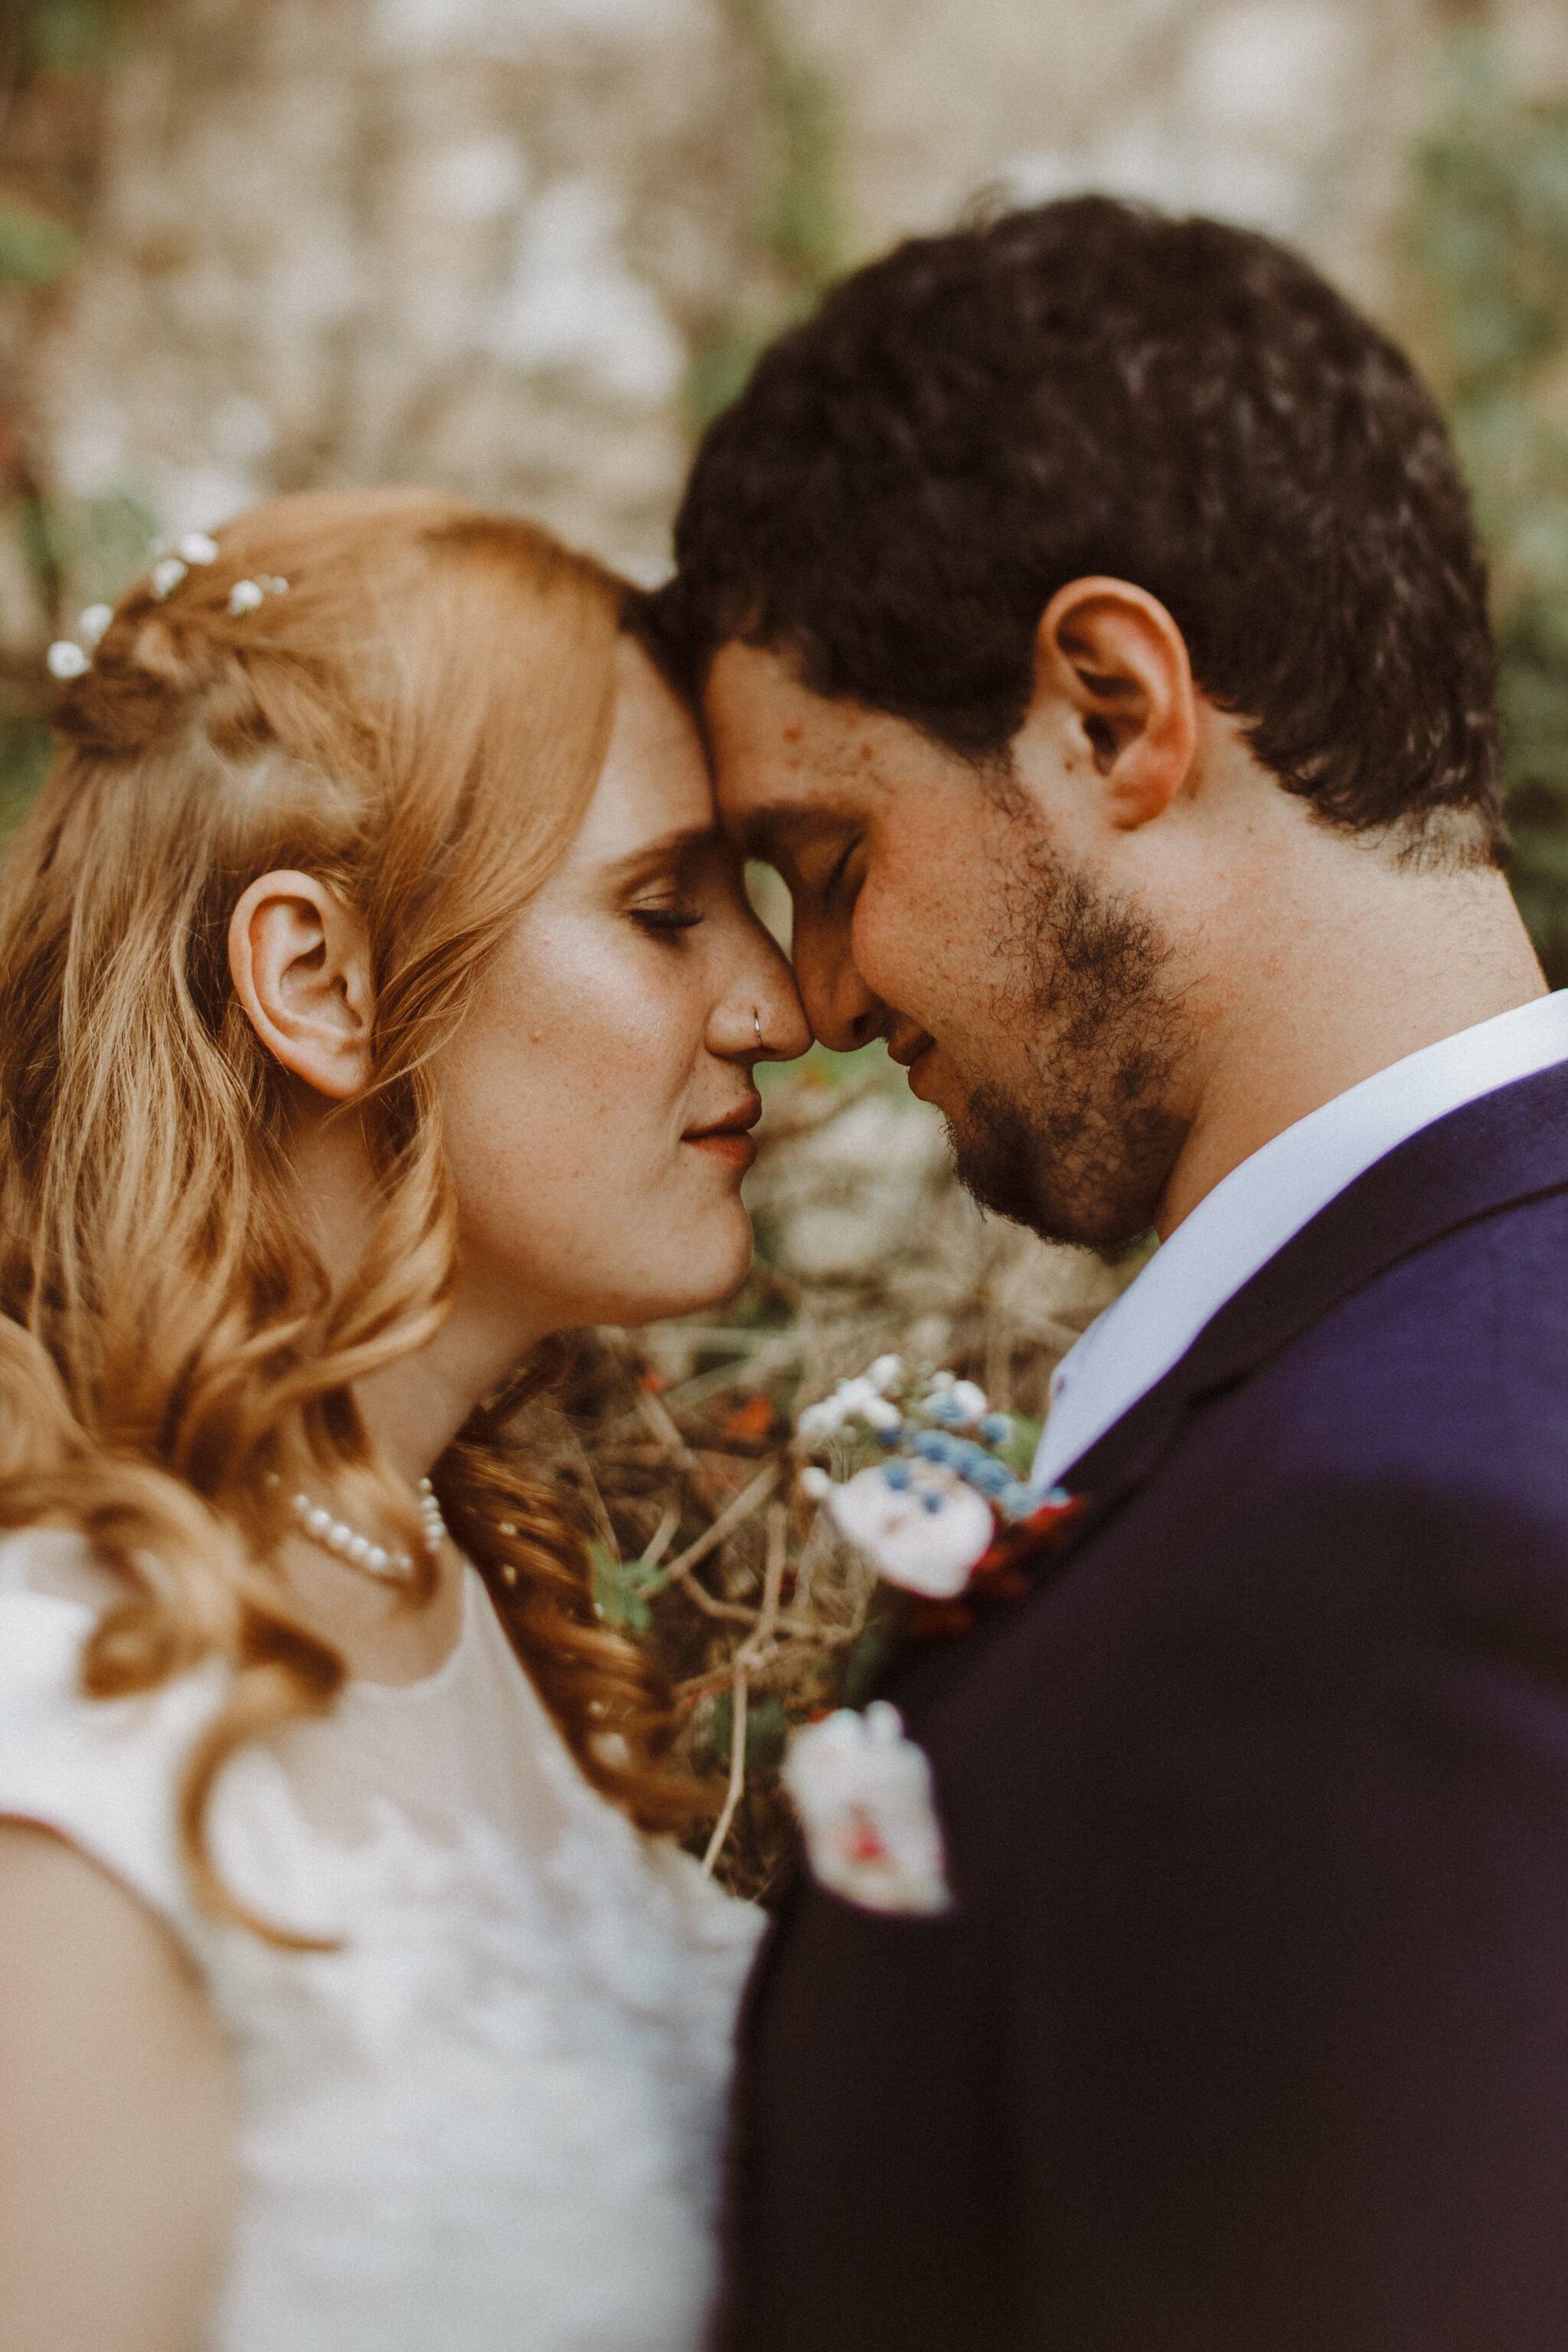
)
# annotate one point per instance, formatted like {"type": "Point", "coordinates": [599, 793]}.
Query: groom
{"type": "Point", "coordinates": [1088, 622]}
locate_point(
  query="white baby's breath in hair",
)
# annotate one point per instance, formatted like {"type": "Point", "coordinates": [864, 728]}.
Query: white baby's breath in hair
{"type": "Point", "coordinates": [66, 659]}
{"type": "Point", "coordinates": [248, 595]}
{"type": "Point", "coordinates": [71, 658]}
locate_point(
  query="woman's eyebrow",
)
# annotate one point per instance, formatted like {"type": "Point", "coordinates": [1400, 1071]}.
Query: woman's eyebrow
{"type": "Point", "coordinates": [670, 848]}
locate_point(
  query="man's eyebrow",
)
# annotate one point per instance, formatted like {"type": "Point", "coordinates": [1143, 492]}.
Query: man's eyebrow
{"type": "Point", "coordinates": [668, 849]}
{"type": "Point", "coordinates": [766, 832]}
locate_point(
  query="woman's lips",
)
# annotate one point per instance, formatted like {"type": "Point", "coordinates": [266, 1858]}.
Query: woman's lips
{"type": "Point", "coordinates": [732, 1145]}
{"type": "Point", "coordinates": [730, 1139]}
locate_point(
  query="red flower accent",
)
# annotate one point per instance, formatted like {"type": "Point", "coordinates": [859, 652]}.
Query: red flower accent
{"type": "Point", "coordinates": [1042, 1531]}
{"type": "Point", "coordinates": [938, 1621]}
{"type": "Point", "coordinates": [1000, 1576]}
{"type": "Point", "coordinates": [753, 1419]}
{"type": "Point", "coordinates": [862, 1841]}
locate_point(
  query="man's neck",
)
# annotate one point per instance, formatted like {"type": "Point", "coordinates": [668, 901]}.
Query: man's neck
{"type": "Point", "coordinates": [1405, 961]}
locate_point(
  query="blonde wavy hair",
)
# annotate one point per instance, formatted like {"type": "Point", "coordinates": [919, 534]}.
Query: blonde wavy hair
{"type": "Point", "coordinates": [420, 721]}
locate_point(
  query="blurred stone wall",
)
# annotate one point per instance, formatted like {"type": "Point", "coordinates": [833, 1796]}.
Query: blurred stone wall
{"type": "Point", "coordinates": [363, 241]}
{"type": "Point", "coordinates": [486, 243]}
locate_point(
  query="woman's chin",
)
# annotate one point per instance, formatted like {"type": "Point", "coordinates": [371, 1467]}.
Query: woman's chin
{"type": "Point", "coordinates": [707, 1277]}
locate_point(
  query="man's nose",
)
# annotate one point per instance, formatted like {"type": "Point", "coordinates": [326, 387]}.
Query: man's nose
{"type": "Point", "coordinates": [844, 1014]}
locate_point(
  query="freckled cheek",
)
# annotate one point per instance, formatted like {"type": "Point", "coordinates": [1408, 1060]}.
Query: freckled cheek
{"type": "Point", "coordinates": [574, 1067]}
{"type": "Point", "coordinates": [903, 937]}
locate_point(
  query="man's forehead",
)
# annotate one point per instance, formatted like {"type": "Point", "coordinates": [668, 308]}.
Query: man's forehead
{"type": "Point", "coordinates": [783, 758]}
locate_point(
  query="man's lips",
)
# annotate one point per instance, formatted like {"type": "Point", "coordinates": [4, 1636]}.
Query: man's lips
{"type": "Point", "coordinates": [910, 1051]}
{"type": "Point", "coordinates": [730, 1139]}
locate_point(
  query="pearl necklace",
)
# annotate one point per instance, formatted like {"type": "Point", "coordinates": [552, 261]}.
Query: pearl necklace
{"type": "Point", "coordinates": [345, 1543]}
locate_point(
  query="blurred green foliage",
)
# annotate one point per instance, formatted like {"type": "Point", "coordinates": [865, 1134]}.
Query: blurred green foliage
{"type": "Point", "coordinates": [1489, 239]}
{"type": "Point", "coordinates": [35, 249]}
{"type": "Point", "coordinates": [622, 1589]}
{"type": "Point", "coordinates": [24, 748]}
{"type": "Point", "coordinates": [66, 36]}
{"type": "Point", "coordinates": [798, 223]}
{"type": "Point", "coordinates": [797, 227]}
{"type": "Point", "coordinates": [59, 48]}
{"type": "Point", "coordinates": [92, 548]}
{"type": "Point", "coordinates": [767, 1732]}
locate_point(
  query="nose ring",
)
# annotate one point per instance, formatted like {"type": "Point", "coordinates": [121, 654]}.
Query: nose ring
{"type": "Point", "coordinates": [757, 1025]}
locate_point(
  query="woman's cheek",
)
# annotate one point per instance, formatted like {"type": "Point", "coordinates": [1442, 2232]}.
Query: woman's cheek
{"type": "Point", "coordinates": [615, 1028]}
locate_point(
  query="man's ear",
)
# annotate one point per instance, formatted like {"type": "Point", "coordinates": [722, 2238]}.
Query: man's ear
{"type": "Point", "coordinates": [300, 960]}
{"type": "Point", "coordinates": [1113, 656]}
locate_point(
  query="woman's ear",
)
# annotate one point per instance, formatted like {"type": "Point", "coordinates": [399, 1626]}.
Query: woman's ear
{"type": "Point", "coordinates": [1113, 653]}
{"type": "Point", "coordinates": [300, 960]}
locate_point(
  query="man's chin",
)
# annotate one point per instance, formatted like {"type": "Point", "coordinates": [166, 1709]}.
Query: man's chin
{"type": "Point", "coordinates": [1007, 1187]}
{"type": "Point", "coordinates": [1013, 1172]}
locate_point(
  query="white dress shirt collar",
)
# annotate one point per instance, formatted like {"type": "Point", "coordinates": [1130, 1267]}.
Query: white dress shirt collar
{"type": "Point", "coordinates": [1255, 1211]}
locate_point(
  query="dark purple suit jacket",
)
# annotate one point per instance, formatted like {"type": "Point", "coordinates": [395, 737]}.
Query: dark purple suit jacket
{"type": "Point", "coordinates": [1249, 2029]}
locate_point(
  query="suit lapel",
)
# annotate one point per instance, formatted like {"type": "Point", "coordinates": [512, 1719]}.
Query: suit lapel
{"type": "Point", "coordinates": [1490, 1155]}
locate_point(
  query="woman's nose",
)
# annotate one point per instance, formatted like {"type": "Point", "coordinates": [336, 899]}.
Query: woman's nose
{"type": "Point", "coordinates": [760, 1017]}
{"type": "Point", "coordinates": [780, 1029]}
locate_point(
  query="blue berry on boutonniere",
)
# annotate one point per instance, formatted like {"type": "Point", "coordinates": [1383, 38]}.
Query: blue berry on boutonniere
{"type": "Point", "coordinates": [938, 1509]}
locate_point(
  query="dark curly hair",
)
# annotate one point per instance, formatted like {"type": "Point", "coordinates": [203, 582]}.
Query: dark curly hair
{"type": "Point", "coordinates": [1090, 386]}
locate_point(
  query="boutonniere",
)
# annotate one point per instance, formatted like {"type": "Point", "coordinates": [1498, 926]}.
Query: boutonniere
{"type": "Point", "coordinates": [863, 1792]}
{"type": "Point", "coordinates": [938, 1509]}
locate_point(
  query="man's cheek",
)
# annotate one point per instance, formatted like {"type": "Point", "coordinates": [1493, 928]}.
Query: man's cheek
{"type": "Point", "coordinates": [895, 948]}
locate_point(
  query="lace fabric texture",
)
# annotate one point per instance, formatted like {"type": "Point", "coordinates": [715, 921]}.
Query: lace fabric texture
{"type": "Point", "coordinates": [490, 2119]}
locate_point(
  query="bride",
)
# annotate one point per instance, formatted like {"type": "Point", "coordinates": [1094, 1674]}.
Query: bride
{"type": "Point", "coordinates": [376, 999]}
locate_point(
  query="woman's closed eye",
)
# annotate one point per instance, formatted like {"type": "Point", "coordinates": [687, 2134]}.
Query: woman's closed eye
{"type": "Point", "coordinates": [666, 919]}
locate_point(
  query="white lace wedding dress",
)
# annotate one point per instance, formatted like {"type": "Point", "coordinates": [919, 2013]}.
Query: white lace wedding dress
{"type": "Point", "coordinates": [490, 2121]}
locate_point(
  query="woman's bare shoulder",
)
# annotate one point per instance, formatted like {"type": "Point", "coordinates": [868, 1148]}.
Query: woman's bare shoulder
{"type": "Point", "coordinates": [116, 2129]}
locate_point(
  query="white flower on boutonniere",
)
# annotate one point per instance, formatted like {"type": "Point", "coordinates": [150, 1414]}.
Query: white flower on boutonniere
{"type": "Point", "coordinates": [863, 1792]}
{"type": "Point", "coordinates": [929, 1509]}
{"type": "Point", "coordinates": [920, 1525]}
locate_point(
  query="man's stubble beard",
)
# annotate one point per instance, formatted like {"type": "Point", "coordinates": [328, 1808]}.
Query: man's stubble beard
{"type": "Point", "coordinates": [1085, 1152]}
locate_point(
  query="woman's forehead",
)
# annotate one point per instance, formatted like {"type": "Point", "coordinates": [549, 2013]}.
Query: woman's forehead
{"type": "Point", "coordinates": [654, 784]}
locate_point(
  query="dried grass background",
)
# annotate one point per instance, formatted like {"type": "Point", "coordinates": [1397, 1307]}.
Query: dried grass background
{"type": "Point", "coordinates": [676, 1439]}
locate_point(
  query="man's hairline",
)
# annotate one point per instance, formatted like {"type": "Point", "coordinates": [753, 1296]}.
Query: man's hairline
{"type": "Point", "coordinates": [1450, 838]}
